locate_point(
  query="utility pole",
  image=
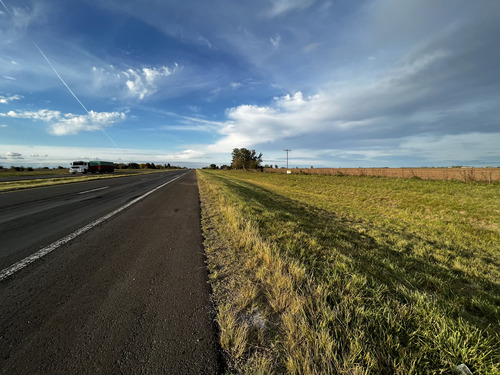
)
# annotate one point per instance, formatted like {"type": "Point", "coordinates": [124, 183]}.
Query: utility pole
{"type": "Point", "coordinates": [287, 157]}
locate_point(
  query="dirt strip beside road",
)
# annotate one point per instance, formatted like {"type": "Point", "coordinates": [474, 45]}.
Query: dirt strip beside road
{"type": "Point", "coordinates": [130, 296]}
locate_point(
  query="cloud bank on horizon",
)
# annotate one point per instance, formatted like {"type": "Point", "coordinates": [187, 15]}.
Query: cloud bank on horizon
{"type": "Point", "coordinates": [342, 84]}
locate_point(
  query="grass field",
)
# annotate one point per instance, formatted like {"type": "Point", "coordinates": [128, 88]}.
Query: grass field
{"type": "Point", "coordinates": [465, 174]}
{"type": "Point", "coordinates": [353, 275]}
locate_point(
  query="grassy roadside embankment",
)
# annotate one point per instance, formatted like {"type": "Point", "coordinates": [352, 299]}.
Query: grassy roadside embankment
{"type": "Point", "coordinates": [353, 275]}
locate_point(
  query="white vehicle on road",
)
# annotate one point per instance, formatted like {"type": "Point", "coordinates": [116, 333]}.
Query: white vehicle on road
{"type": "Point", "coordinates": [79, 167]}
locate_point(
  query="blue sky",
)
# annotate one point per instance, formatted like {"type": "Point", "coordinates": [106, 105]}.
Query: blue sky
{"type": "Point", "coordinates": [340, 83]}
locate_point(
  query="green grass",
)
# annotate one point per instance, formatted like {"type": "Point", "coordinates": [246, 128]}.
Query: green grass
{"type": "Point", "coordinates": [363, 275]}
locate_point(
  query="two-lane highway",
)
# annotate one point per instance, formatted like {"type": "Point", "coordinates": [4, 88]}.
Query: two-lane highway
{"type": "Point", "coordinates": [33, 219]}
{"type": "Point", "coordinates": [129, 295]}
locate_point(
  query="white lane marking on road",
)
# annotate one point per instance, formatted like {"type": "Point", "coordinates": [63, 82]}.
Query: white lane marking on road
{"type": "Point", "coordinates": [89, 191]}
{"type": "Point", "coordinates": [48, 249]}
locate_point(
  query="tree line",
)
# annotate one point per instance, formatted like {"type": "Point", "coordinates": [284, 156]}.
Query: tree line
{"type": "Point", "coordinates": [145, 166]}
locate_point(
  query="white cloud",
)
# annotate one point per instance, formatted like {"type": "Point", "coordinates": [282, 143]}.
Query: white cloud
{"type": "Point", "coordinates": [45, 115]}
{"type": "Point", "coordinates": [275, 40]}
{"type": "Point", "coordinates": [14, 155]}
{"type": "Point", "coordinates": [205, 42]}
{"type": "Point", "coordinates": [144, 82]}
{"type": "Point", "coordinates": [91, 122]}
{"type": "Point", "coordinates": [283, 6]}
{"type": "Point", "coordinates": [289, 115]}
{"type": "Point", "coordinates": [69, 124]}
{"type": "Point", "coordinates": [8, 99]}
{"type": "Point", "coordinates": [182, 155]}
{"type": "Point", "coordinates": [137, 83]}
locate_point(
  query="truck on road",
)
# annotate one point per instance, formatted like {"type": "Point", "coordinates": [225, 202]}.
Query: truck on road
{"type": "Point", "coordinates": [91, 166]}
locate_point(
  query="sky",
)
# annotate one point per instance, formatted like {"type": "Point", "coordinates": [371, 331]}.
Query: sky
{"type": "Point", "coordinates": [375, 83]}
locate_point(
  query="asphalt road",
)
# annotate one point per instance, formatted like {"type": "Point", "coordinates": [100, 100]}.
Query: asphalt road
{"type": "Point", "coordinates": [32, 219]}
{"type": "Point", "coordinates": [128, 296]}
{"type": "Point", "coordinates": [52, 176]}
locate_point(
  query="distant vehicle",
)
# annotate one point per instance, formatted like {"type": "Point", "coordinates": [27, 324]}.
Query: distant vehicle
{"type": "Point", "coordinates": [92, 167]}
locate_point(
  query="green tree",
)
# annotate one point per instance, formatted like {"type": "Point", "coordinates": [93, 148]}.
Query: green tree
{"type": "Point", "coordinates": [245, 159]}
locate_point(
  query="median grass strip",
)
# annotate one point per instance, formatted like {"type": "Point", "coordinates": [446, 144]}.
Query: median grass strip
{"type": "Point", "coordinates": [12, 172]}
{"type": "Point", "coordinates": [353, 275]}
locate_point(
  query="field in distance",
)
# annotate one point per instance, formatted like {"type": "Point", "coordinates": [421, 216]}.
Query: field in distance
{"type": "Point", "coordinates": [466, 174]}
{"type": "Point", "coordinates": [353, 275]}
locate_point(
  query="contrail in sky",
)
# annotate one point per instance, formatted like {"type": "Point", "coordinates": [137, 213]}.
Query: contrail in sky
{"type": "Point", "coordinates": [57, 74]}
{"type": "Point", "coordinates": [6, 10]}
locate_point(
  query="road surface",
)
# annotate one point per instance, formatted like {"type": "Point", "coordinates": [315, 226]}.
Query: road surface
{"type": "Point", "coordinates": [32, 219]}
{"type": "Point", "coordinates": [128, 296]}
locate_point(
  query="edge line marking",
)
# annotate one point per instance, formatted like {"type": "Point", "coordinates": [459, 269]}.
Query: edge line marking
{"type": "Point", "coordinates": [48, 249]}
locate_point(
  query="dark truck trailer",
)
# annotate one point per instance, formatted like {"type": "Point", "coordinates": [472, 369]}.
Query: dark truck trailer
{"type": "Point", "coordinates": [101, 166]}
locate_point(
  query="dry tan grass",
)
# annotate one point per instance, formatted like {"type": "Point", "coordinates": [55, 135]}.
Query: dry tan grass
{"type": "Point", "coordinates": [327, 275]}
{"type": "Point", "coordinates": [459, 174]}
